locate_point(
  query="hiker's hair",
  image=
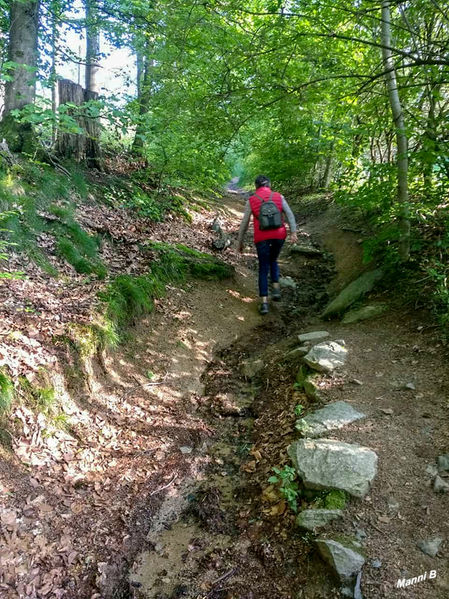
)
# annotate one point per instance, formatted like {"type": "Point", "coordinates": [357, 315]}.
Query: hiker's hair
{"type": "Point", "coordinates": [262, 181]}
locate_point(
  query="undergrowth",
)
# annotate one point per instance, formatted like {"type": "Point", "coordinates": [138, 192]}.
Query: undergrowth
{"type": "Point", "coordinates": [37, 203]}
{"type": "Point", "coordinates": [6, 392]}
{"type": "Point", "coordinates": [128, 298]}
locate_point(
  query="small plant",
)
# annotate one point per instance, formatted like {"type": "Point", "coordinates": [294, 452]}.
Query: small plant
{"type": "Point", "coordinates": [298, 385]}
{"type": "Point", "coordinates": [299, 409]}
{"type": "Point", "coordinates": [302, 426]}
{"type": "Point", "coordinates": [289, 489]}
{"type": "Point", "coordinates": [6, 392]}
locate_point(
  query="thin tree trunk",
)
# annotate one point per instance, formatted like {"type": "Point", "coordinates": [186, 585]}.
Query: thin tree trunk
{"type": "Point", "coordinates": [327, 176]}
{"type": "Point", "coordinates": [144, 97]}
{"type": "Point", "coordinates": [21, 89]}
{"type": "Point", "coordinates": [54, 37]}
{"type": "Point", "coordinates": [92, 47]}
{"type": "Point", "coordinates": [429, 141]}
{"type": "Point", "coordinates": [401, 136]}
{"type": "Point", "coordinates": [91, 126]}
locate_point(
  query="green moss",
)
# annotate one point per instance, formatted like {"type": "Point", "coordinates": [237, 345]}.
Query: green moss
{"type": "Point", "coordinates": [301, 377]}
{"type": "Point", "coordinates": [6, 392]}
{"type": "Point", "coordinates": [335, 500]}
{"type": "Point", "coordinates": [41, 398]}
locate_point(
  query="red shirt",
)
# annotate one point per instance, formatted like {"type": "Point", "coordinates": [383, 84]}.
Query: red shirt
{"type": "Point", "coordinates": [255, 203]}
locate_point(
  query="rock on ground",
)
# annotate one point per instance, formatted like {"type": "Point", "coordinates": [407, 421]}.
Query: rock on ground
{"type": "Point", "coordinates": [330, 464]}
{"type": "Point", "coordinates": [251, 368]}
{"type": "Point", "coordinates": [326, 357]}
{"type": "Point", "coordinates": [312, 389]}
{"type": "Point", "coordinates": [443, 463]}
{"type": "Point", "coordinates": [352, 293]}
{"type": "Point", "coordinates": [312, 519]}
{"type": "Point", "coordinates": [364, 313]}
{"type": "Point", "coordinates": [431, 546]}
{"type": "Point", "coordinates": [287, 283]}
{"type": "Point", "coordinates": [440, 485]}
{"type": "Point", "coordinates": [343, 559]}
{"type": "Point", "coordinates": [313, 336]}
{"type": "Point", "coordinates": [333, 416]}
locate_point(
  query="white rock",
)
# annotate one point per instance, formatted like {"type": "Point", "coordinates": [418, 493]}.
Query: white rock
{"type": "Point", "coordinates": [330, 464]}
{"type": "Point", "coordinates": [313, 336]}
{"type": "Point", "coordinates": [326, 357]}
{"type": "Point", "coordinates": [332, 417]}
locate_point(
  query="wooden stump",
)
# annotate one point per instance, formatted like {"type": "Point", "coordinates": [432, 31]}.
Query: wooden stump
{"type": "Point", "coordinates": [78, 146]}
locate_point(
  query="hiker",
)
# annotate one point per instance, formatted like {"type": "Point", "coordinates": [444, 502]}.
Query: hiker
{"type": "Point", "coordinates": [267, 208]}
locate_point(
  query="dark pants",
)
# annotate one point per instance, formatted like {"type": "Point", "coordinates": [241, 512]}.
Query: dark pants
{"type": "Point", "coordinates": [268, 252]}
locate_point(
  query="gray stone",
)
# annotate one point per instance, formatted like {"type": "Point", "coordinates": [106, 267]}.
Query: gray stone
{"type": "Point", "coordinates": [364, 313]}
{"type": "Point", "coordinates": [186, 450]}
{"type": "Point", "coordinates": [360, 534]}
{"type": "Point", "coordinates": [313, 336]}
{"type": "Point", "coordinates": [326, 357]}
{"type": "Point", "coordinates": [352, 293]}
{"type": "Point", "coordinates": [432, 469]}
{"type": "Point", "coordinates": [393, 504]}
{"type": "Point", "coordinates": [330, 464]}
{"type": "Point", "coordinates": [431, 546]}
{"type": "Point", "coordinates": [251, 368]}
{"type": "Point", "coordinates": [304, 249]}
{"type": "Point", "coordinates": [312, 389]}
{"type": "Point", "coordinates": [312, 519]}
{"type": "Point", "coordinates": [376, 563]}
{"type": "Point", "coordinates": [333, 416]}
{"type": "Point", "coordinates": [300, 351]}
{"type": "Point", "coordinates": [343, 559]}
{"type": "Point", "coordinates": [287, 283]}
{"type": "Point", "coordinates": [443, 463]}
{"type": "Point", "coordinates": [440, 485]}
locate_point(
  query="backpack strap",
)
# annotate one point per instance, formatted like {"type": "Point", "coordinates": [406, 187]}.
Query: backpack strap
{"type": "Point", "coordinates": [262, 200]}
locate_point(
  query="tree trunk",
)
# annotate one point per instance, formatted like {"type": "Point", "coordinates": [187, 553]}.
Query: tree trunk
{"type": "Point", "coordinates": [401, 136]}
{"type": "Point", "coordinates": [327, 176]}
{"type": "Point", "coordinates": [144, 65]}
{"type": "Point", "coordinates": [91, 126]}
{"type": "Point", "coordinates": [429, 142]}
{"type": "Point", "coordinates": [20, 91]}
{"type": "Point", "coordinates": [71, 145]}
{"type": "Point", "coordinates": [92, 47]}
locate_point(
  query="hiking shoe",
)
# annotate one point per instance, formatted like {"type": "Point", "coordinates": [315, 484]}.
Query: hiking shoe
{"type": "Point", "coordinates": [276, 295]}
{"type": "Point", "coordinates": [263, 308]}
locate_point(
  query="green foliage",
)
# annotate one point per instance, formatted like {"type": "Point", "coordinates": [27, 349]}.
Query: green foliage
{"type": "Point", "coordinates": [33, 189]}
{"type": "Point", "coordinates": [288, 487]}
{"type": "Point", "coordinates": [331, 500]}
{"type": "Point", "coordinates": [301, 377]}
{"type": "Point", "coordinates": [299, 409]}
{"type": "Point", "coordinates": [130, 297]}
{"type": "Point", "coordinates": [438, 272]}
{"type": "Point", "coordinates": [6, 392]}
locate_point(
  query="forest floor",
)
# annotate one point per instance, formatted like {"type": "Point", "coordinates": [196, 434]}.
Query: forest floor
{"type": "Point", "coordinates": [169, 496]}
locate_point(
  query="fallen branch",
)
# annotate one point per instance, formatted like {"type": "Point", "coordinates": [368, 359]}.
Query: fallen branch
{"type": "Point", "coordinates": [141, 386]}
{"type": "Point", "coordinates": [219, 580]}
{"type": "Point", "coordinates": [165, 486]}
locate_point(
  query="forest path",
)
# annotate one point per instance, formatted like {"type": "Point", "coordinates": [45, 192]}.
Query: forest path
{"type": "Point", "coordinates": [221, 532]}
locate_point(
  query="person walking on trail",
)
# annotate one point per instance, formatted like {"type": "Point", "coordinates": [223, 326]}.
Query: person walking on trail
{"type": "Point", "coordinates": [268, 209]}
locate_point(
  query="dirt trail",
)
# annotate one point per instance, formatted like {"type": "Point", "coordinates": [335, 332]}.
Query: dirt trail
{"type": "Point", "coordinates": [220, 532]}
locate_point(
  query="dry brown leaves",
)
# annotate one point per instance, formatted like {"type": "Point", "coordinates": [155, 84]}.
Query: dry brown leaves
{"type": "Point", "coordinates": [67, 492]}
